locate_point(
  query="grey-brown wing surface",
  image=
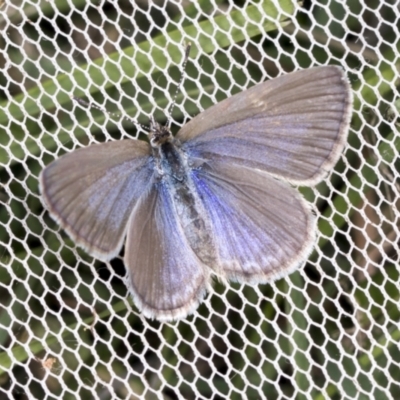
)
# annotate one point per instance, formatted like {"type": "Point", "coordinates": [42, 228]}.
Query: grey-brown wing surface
{"type": "Point", "coordinates": [166, 279]}
{"type": "Point", "coordinates": [262, 227]}
{"type": "Point", "coordinates": [92, 191]}
{"type": "Point", "coordinates": [294, 126]}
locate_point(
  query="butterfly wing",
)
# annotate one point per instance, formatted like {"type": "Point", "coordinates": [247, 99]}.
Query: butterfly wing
{"type": "Point", "coordinates": [91, 192]}
{"type": "Point", "coordinates": [167, 280]}
{"type": "Point", "coordinates": [263, 228]}
{"type": "Point", "coordinates": [294, 126]}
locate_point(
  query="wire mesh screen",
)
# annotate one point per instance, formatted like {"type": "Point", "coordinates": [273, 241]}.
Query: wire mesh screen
{"type": "Point", "coordinates": [68, 327]}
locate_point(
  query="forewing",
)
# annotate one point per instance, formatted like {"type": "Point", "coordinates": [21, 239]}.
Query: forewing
{"type": "Point", "coordinates": [166, 278]}
{"type": "Point", "coordinates": [294, 126]}
{"type": "Point", "coordinates": [263, 227]}
{"type": "Point", "coordinates": [92, 191]}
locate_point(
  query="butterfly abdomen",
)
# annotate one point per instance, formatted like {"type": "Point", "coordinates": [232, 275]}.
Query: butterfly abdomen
{"type": "Point", "coordinates": [176, 174]}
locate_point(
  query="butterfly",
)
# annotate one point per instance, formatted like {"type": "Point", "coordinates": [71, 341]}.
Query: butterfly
{"type": "Point", "coordinates": [213, 201]}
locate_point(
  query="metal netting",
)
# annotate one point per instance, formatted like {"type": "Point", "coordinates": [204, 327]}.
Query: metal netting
{"type": "Point", "coordinates": [68, 328]}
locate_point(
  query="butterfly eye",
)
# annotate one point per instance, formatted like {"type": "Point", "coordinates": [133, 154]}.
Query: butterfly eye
{"type": "Point", "coordinates": [159, 135]}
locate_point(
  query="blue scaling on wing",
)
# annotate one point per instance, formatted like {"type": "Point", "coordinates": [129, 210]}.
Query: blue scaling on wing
{"type": "Point", "coordinates": [166, 278]}
{"type": "Point", "coordinates": [274, 144]}
{"type": "Point", "coordinates": [263, 228]}
{"type": "Point", "coordinates": [112, 199]}
{"type": "Point", "coordinates": [92, 191]}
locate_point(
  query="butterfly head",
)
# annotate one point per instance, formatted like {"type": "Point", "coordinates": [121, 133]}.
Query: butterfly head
{"type": "Point", "coordinates": [159, 134]}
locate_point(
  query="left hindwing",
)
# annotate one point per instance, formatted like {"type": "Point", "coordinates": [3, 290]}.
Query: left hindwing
{"type": "Point", "coordinates": [166, 278]}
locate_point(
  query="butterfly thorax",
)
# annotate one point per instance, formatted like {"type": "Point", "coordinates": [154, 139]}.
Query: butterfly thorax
{"type": "Point", "coordinates": [175, 173]}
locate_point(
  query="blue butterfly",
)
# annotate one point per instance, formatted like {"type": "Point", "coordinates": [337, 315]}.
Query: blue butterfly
{"type": "Point", "coordinates": [216, 199]}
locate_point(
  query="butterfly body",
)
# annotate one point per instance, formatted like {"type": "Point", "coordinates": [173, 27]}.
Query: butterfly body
{"type": "Point", "coordinates": [215, 199]}
{"type": "Point", "coordinates": [175, 173]}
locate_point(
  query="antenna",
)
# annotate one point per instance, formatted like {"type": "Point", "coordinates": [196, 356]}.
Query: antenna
{"type": "Point", "coordinates": [178, 87]}
{"type": "Point", "coordinates": [112, 114]}
{"type": "Point", "coordinates": [134, 122]}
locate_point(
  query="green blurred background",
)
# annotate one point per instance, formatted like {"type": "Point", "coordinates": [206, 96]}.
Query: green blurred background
{"type": "Point", "coordinates": [68, 328]}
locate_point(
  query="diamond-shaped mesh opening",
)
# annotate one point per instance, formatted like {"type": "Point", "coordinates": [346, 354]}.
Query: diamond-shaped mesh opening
{"type": "Point", "coordinates": [68, 328]}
